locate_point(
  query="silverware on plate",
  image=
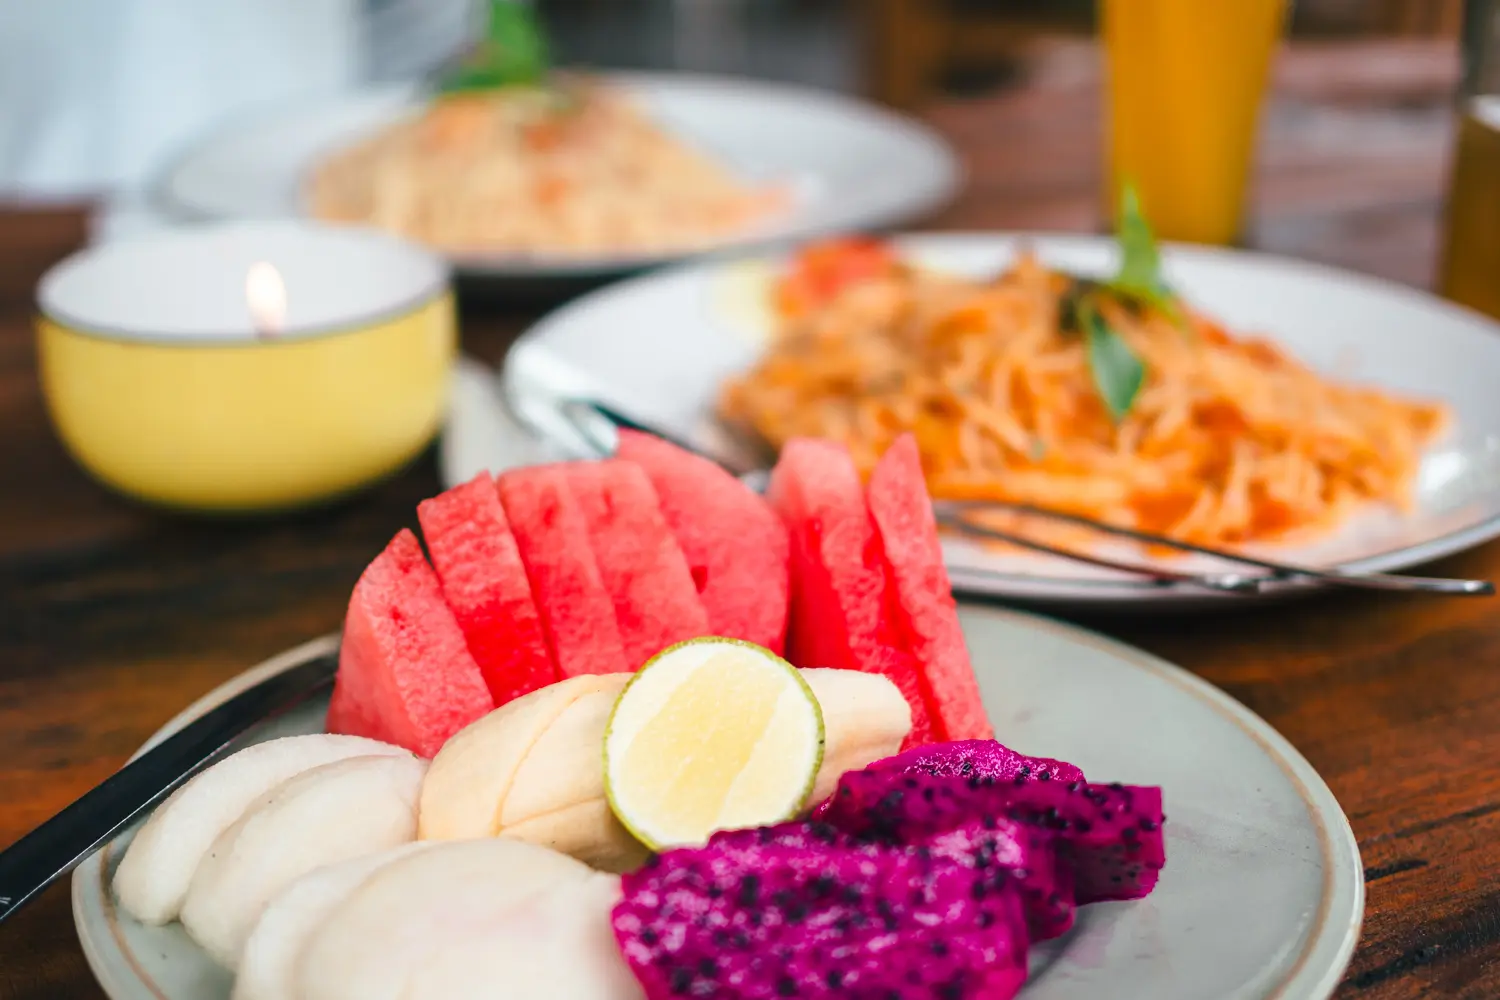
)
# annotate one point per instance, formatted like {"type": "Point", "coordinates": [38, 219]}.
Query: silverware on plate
{"type": "Point", "coordinates": [57, 846]}
{"type": "Point", "coordinates": [956, 515]}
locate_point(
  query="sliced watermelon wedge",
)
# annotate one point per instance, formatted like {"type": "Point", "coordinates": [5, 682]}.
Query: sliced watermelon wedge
{"type": "Point", "coordinates": [640, 562]}
{"type": "Point", "coordinates": [927, 615]}
{"type": "Point", "coordinates": [405, 674]}
{"type": "Point", "coordinates": [736, 546]}
{"type": "Point", "coordinates": [577, 611]}
{"type": "Point", "coordinates": [485, 584]}
{"type": "Point", "coordinates": [843, 603]}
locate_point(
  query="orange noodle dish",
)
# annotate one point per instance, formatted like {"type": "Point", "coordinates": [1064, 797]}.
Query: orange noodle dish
{"type": "Point", "coordinates": [572, 168]}
{"type": "Point", "coordinates": [1112, 399]}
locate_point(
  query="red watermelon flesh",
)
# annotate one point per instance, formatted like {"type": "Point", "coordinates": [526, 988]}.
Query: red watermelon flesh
{"type": "Point", "coordinates": [927, 615]}
{"type": "Point", "coordinates": [842, 599]}
{"type": "Point", "coordinates": [577, 612]}
{"type": "Point", "coordinates": [405, 674]}
{"type": "Point", "coordinates": [643, 569]}
{"type": "Point", "coordinates": [350, 716]}
{"type": "Point", "coordinates": [485, 583]}
{"type": "Point", "coordinates": [736, 546]}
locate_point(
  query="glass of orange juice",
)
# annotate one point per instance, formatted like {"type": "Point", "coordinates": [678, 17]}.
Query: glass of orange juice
{"type": "Point", "coordinates": [1469, 270]}
{"type": "Point", "coordinates": [1185, 83]}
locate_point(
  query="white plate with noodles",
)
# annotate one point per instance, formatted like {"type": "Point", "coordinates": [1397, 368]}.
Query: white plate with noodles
{"type": "Point", "coordinates": [1289, 410]}
{"type": "Point", "coordinates": [592, 176]}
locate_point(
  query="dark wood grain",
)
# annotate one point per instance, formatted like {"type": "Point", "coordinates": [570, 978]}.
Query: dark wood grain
{"type": "Point", "coordinates": [112, 617]}
{"type": "Point", "coordinates": [912, 45]}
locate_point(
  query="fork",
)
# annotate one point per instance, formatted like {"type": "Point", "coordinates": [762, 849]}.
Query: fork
{"type": "Point", "coordinates": [956, 515]}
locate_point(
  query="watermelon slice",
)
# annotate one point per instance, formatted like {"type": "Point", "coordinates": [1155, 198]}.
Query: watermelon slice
{"type": "Point", "coordinates": [927, 615]}
{"type": "Point", "coordinates": [405, 674]}
{"type": "Point", "coordinates": [736, 547]}
{"type": "Point", "coordinates": [485, 583]}
{"type": "Point", "coordinates": [643, 569]}
{"type": "Point", "coordinates": [577, 612]}
{"type": "Point", "coordinates": [843, 604]}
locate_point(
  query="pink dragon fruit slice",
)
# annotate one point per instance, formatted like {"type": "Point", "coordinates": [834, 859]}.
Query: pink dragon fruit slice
{"type": "Point", "coordinates": [1109, 836]}
{"type": "Point", "coordinates": [756, 915]}
{"type": "Point", "coordinates": [1029, 853]}
{"type": "Point", "coordinates": [1024, 851]}
{"type": "Point", "coordinates": [984, 758]}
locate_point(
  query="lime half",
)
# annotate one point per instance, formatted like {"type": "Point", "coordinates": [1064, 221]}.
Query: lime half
{"type": "Point", "coordinates": [711, 734]}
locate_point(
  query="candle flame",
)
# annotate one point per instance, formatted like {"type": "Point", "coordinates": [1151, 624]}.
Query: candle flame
{"type": "Point", "coordinates": [265, 297]}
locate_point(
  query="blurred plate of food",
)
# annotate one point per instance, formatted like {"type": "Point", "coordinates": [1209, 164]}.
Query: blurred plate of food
{"type": "Point", "coordinates": [1240, 401]}
{"type": "Point", "coordinates": [581, 176]}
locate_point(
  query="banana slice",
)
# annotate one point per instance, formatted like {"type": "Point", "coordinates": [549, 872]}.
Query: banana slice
{"type": "Point", "coordinates": [865, 719]}
{"type": "Point", "coordinates": [533, 770]}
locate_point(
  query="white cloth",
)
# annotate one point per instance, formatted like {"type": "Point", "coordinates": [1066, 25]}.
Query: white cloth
{"type": "Point", "coordinates": [95, 94]}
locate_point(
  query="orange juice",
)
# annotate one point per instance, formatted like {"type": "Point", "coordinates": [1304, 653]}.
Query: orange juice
{"type": "Point", "coordinates": [1470, 271]}
{"type": "Point", "coordinates": [1185, 82]}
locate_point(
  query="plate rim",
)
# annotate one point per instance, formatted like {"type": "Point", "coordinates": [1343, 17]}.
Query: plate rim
{"type": "Point", "coordinates": [979, 582]}
{"type": "Point", "coordinates": [1324, 958]}
{"type": "Point", "coordinates": [918, 200]}
{"type": "Point", "coordinates": [90, 896]}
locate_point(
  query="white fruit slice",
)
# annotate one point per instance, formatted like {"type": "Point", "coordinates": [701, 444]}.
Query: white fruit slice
{"type": "Point", "coordinates": [534, 769]}
{"type": "Point", "coordinates": [373, 943]}
{"type": "Point", "coordinates": [865, 719]}
{"type": "Point", "coordinates": [472, 775]}
{"type": "Point", "coordinates": [347, 809]}
{"type": "Point", "coordinates": [288, 922]}
{"type": "Point", "coordinates": [565, 765]}
{"type": "Point", "coordinates": [711, 734]}
{"type": "Point", "coordinates": [557, 945]}
{"type": "Point", "coordinates": [153, 877]}
{"type": "Point", "coordinates": [557, 796]}
{"type": "Point", "coordinates": [589, 831]}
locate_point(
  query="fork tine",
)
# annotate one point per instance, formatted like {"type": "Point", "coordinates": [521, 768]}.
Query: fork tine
{"type": "Point", "coordinates": [1276, 571]}
{"type": "Point", "coordinates": [1237, 583]}
{"type": "Point", "coordinates": [1103, 527]}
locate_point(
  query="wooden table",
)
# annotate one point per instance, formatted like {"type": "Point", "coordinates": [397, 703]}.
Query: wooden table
{"type": "Point", "coordinates": [113, 617]}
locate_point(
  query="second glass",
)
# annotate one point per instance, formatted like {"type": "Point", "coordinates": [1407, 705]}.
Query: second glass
{"type": "Point", "coordinates": [1469, 271]}
{"type": "Point", "coordinates": [1185, 81]}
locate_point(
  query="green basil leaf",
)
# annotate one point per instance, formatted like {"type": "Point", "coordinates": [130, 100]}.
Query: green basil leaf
{"type": "Point", "coordinates": [1140, 277]}
{"type": "Point", "coordinates": [1163, 302]}
{"type": "Point", "coordinates": [1118, 372]}
{"type": "Point", "coordinates": [1140, 262]}
{"type": "Point", "coordinates": [513, 52]}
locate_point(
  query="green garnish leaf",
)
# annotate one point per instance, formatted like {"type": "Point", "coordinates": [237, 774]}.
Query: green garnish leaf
{"type": "Point", "coordinates": [1140, 261]}
{"type": "Point", "coordinates": [1073, 302]}
{"type": "Point", "coordinates": [1139, 277]}
{"type": "Point", "coordinates": [1118, 372]}
{"type": "Point", "coordinates": [513, 52]}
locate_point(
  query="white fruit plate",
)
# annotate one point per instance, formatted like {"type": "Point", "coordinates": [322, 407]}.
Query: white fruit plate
{"type": "Point", "coordinates": [1261, 897]}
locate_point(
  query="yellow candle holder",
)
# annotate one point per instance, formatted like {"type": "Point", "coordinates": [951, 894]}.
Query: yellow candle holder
{"type": "Point", "coordinates": [246, 367]}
